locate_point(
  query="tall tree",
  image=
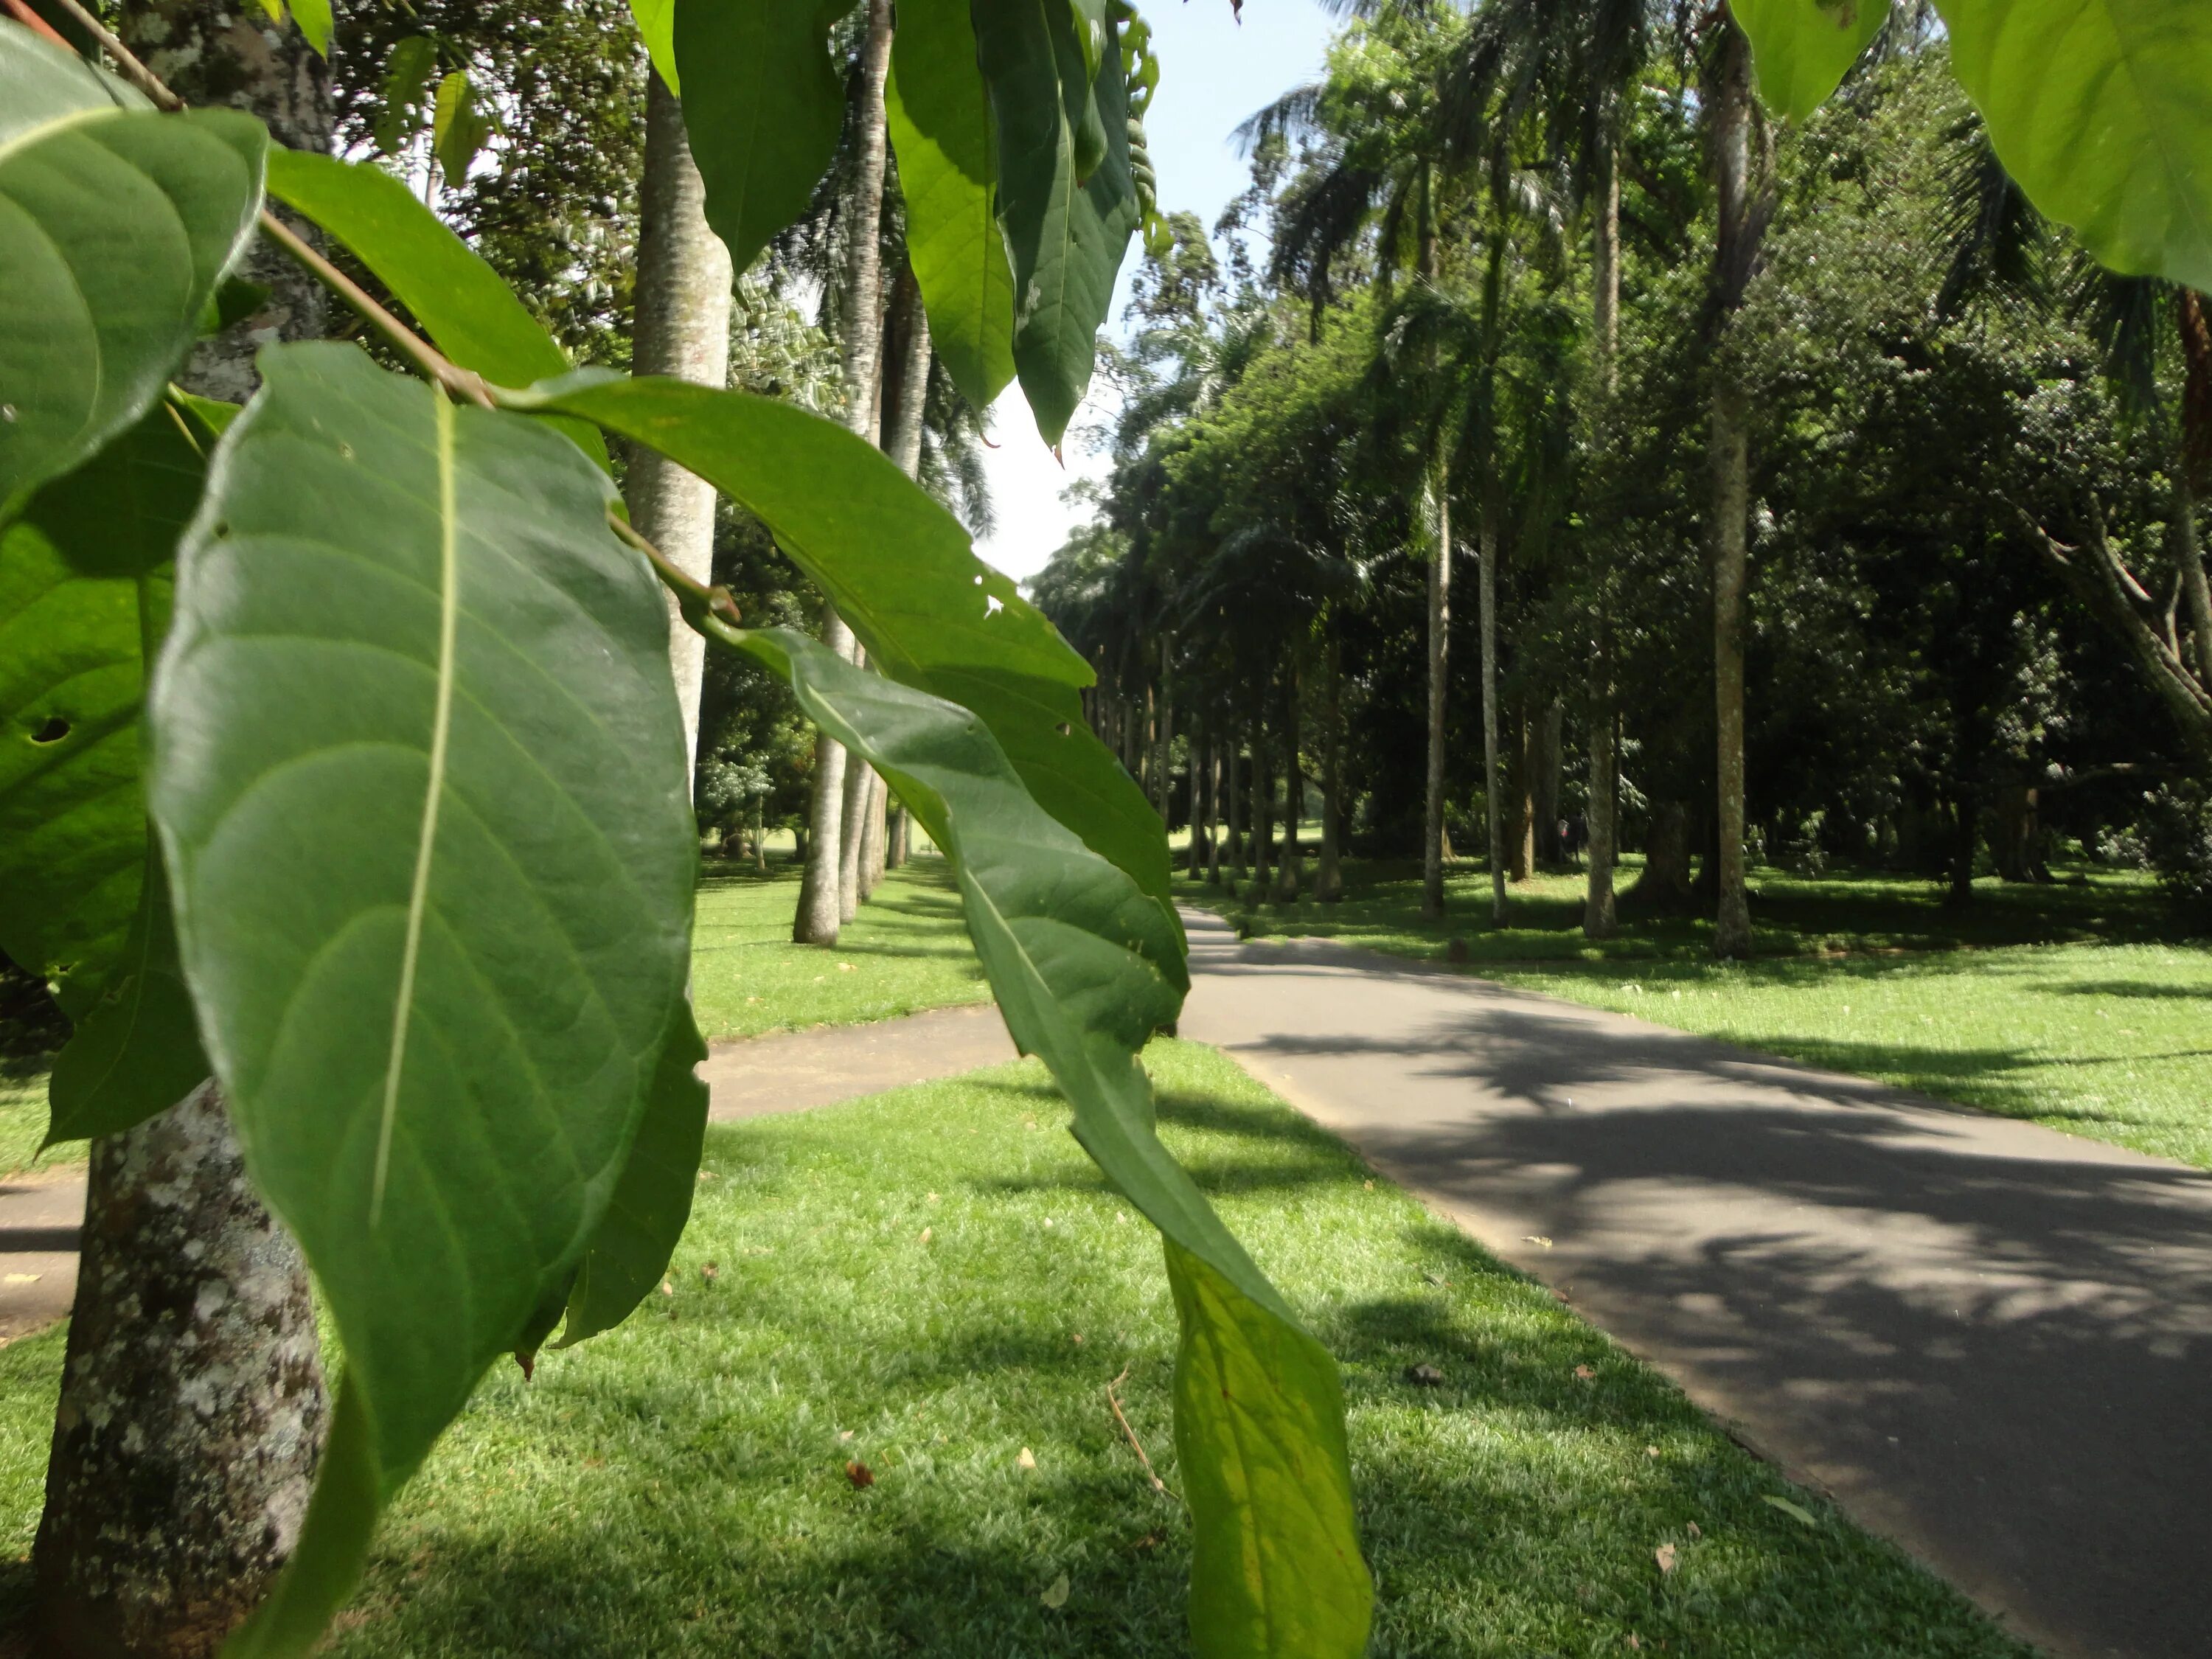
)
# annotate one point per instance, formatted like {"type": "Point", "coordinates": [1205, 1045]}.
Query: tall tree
{"type": "Point", "coordinates": [192, 1405]}
{"type": "Point", "coordinates": [684, 283]}
{"type": "Point", "coordinates": [821, 904]}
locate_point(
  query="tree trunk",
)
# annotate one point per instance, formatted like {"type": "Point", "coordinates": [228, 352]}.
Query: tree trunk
{"type": "Point", "coordinates": [2017, 845]}
{"type": "Point", "coordinates": [1492, 785]}
{"type": "Point", "coordinates": [1436, 509]}
{"type": "Point", "coordinates": [1291, 870]}
{"type": "Point", "coordinates": [1545, 799]}
{"type": "Point", "coordinates": [1198, 807]}
{"type": "Point", "coordinates": [1665, 885]}
{"type": "Point", "coordinates": [1236, 813]}
{"type": "Point", "coordinates": [760, 834]}
{"type": "Point", "coordinates": [1600, 920]}
{"type": "Point", "coordinates": [1328, 879]}
{"type": "Point", "coordinates": [682, 330]}
{"type": "Point", "coordinates": [1528, 758]}
{"type": "Point", "coordinates": [1263, 810]}
{"type": "Point", "coordinates": [192, 1408]}
{"type": "Point", "coordinates": [2192, 473]}
{"type": "Point", "coordinates": [821, 909]}
{"type": "Point", "coordinates": [1966, 840]}
{"type": "Point", "coordinates": [1731, 464]}
{"type": "Point", "coordinates": [1215, 817]}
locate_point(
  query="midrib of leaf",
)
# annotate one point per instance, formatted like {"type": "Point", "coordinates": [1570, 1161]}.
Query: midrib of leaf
{"type": "Point", "coordinates": [440, 721]}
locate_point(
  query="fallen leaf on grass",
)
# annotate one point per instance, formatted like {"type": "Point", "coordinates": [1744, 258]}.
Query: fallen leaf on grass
{"type": "Point", "coordinates": [1636, 1641]}
{"type": "Point", "coordinates": [932, 1198]}
{"type": "Point", "coordinates": [926, 1234]}
{"type": "Point", "coordinates": [1076, 1338]}
{"type": "Point", "coordinates": [667, 1289]}
{"type": "Point", "coordinates": [1794, 1512]}
{"type": "Point", "coordinates": [1693, 1530]}
{"type": "Point", "coordinates": [1027, 1459]}
{"type": "Point", "coordinates": [1536, 1238]}
{"type": "Point", "coordinates": [709, 1271]}
{"type": "Point", "coordinates": [1664, 1555]}
{"type": "Point", "coordinates": [1150, 1540]}
{"type": "Point", "coordinates": [860, 1474]}
{"type": "Point", "coordinates": [1585, 1373]}
{"type": "Point", "coordinates": [1370, 1186]}
{"type": "Point", "coordinates": [1056, 1595]}
{"type": "Point", "coordinates": [1424, 1375]}
{"type": "Point", "coordinates": [843, 1435]}
{"type": "Point", "coordinates": [1652, 1451]}
{"type": "Point", "coordinates": [844, 967]}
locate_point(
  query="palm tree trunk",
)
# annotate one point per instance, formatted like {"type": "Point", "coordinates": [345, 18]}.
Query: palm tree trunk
{"type": "Point", "coordinates": [1731, 485]}
{"type": "Point", "coordinates": [821, 906]}
{"type": "Point", "coordinates": [1263, 810]}
{"type": "Point", "coordinates": [191, 1409]}
{"type": "Point", "coordinates": [1290, 872]}
{"type": "Point", "coordinates": [1492, 785]}
{"type": "Point", "coordinates": [682, 330]}
{"type": "Point", "coordinates": [1199, 804]}
{"type": "Point", "coordinates": [1237, 824]}
{"type": "Point", "coordinates": [1328, 879]}
{"type": "Point", "coordinates": [1600, 920]}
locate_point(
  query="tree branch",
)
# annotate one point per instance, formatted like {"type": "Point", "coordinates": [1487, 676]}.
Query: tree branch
{"type": "Point", "coordinates": [710, 611]}
{"type": "Point", "coordinates": [463, 384]}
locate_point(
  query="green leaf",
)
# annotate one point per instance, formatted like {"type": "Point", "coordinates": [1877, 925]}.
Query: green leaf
{"type": "Point", "coordinates": [900, 570]}
{"type": "Point", "coordinates": [764, 109]}
{"type": "Point", "coordinates": [1066, 224]}
{"type": "Point", "coordinates": [1085, 967]}
{"type": "Point", "coordinates": [1796, 1512]}
{"type": "Point", "coordinates": [234, 300]}
{"type": "Point", "coordinates": [313, 17]}
{"type": "Point", "coordinates": [137, 1051]}
{"type": "Point", "coordinates": [115, 225]}
{"type": "Point", "coordinates": [1801, 49]}
{"type": "Point", "coordinates": [420, 783]}
{"type": "Point", "coordinates": [457, 127]}
{"type": "Point", "coordinates": [656, 26]}
{"type": "Point", "coordinates": [941, 126]}
{"type": "Point", "coordinates": [406, 87]}
{"type": "Point", "coordinates": [629, 1252]}
{"type": "Point", "coordinates": [471, 315]}
{"type": "Point", "coordinates": [84, 596]}
{"type": "Point", "coordinates": [2097, 107]}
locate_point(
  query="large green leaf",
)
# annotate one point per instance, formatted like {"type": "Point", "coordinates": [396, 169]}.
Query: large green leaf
{"type": "Point", "coordinates": [84, 594]}
{"type": "Point", "coordinates": [2100, 108]}
{"type": "Point", "coordinates": [1801, 49]}
{"type": "Point", "coordinates": [900, 570]}
{"type": "Point", "coordinates": [653, 1198]}
{"type": "Point", "coordinates": [763, 106]}
{"type": "Point", "coordinates": [115, 225]}
{"type": "Point", "coordinates": [473, 317]}
{"type": "Point", "coordinates": [420, 783]}
{"type": "Point", "coordinates": [941, 126]}
{"type": "Point", "coordinates": [1085, 967]}
{"type": "Point", "coordinates": [1066, 221]}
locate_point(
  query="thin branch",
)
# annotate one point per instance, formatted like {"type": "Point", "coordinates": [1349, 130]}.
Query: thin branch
{"type": "Point", "coordinates": [22, 12]}
{"type": "Point", "coordinates": [461, 384]}
{"type": "Point", "coordinates": [133, 71]}
{"type": "Point", "coordinates": [1130, 1435]}
{"type": "Point", "coordinates": [710, 610]}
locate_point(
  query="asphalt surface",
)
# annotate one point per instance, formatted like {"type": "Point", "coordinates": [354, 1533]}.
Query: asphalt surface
{"type": "Point", "coordinates": [1989, 1341]}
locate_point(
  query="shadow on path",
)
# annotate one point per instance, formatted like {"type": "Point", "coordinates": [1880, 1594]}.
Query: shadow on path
{"type": "Point", "coordinates": [1988, 1340]}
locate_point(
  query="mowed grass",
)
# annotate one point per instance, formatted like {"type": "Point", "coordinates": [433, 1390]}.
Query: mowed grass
{"type": "Point", "coordinates": [2072, 1005]}
{"type": "Point", "coordinates": [929, 1282]}
{"type": "Point", "coordinates": [907, 950]}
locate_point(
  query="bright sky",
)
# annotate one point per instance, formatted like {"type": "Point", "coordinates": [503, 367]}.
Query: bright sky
{"type": "Point", "coordinates": [1214, 72]}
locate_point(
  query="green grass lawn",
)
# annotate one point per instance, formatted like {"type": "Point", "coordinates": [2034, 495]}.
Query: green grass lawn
{"type": "Point", "coordinates": [2070, 1005]}
{"type": "Point", "coordinates": [928, 1283]}
{"type": "Point", "coordinates": [907, 950]}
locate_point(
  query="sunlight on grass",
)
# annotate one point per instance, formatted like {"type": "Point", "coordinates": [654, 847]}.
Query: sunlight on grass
{"type": "Point", "coordinates": [2063, 1004]}
{"type": "Point", "coordinates": [679, 1486]}
{"type": "Point", "coordinates": [907, 950]}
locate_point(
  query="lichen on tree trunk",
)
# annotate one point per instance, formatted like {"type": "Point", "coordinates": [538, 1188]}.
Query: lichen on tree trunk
{"type": "Point", "coordinates": [192, 1405]}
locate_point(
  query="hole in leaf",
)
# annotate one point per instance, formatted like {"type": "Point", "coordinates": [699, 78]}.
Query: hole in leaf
{"type": "Point", "coordinates": [53, 731]}
{"type": "Point", "coordinates": [1065, 730]}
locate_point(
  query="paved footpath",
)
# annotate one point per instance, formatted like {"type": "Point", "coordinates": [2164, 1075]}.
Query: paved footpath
{"type": "Point", "coordinates": [40, 1212]}
{"type": "Point", "coordinates": [1989, 1341]}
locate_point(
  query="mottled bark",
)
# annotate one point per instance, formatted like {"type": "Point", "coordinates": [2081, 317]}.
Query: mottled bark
{"type": "Point", "coordinates": [193, 1406]}
{"type": "Point", "coordinates": [1236, 814]}
{"type": "Point", "coordinates": [1493, 786]}
{"type": "Point", "coordinates": [1439, 643]}
{"type": "Point", "coordinates": [1290, 870]}
{"type": "Point", "coordinates": [1263, 810]}
{"type": "Point", "coordinates": [1740, 223]}
{"type": "Point", "coordinates": [1665, 883]}
{"type": "Point", "coordinates": [233, 57]}
{"type": "Point", "coordinates": [1329, 877]}
{"type": "Point", "coordinates": [852, 829]}
{"type": "Point", "coordinates": [683, 331]}
{"type": "Point", "coordinates": [1600, 919]}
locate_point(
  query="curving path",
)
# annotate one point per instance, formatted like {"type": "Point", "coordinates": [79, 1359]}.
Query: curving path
{"type": "Point", "coordinates": [1989, 1341]}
